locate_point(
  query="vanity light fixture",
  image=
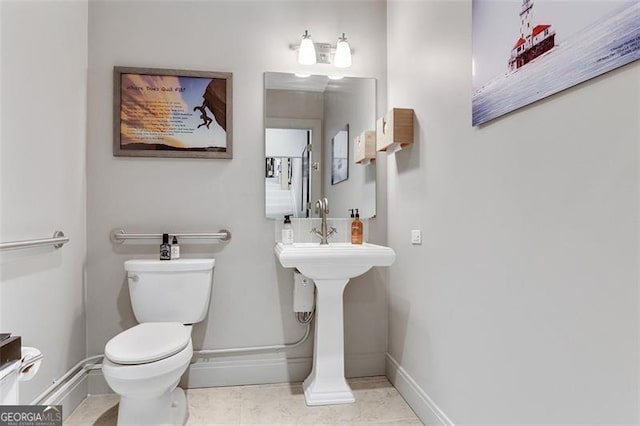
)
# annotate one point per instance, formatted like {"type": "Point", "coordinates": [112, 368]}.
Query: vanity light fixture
{"type": "Point", "coordinates": [310, 53]}
{"type": "Point", "coordinates": [307, 52]}
{"type": "Point", "coordinates": [342, 59]}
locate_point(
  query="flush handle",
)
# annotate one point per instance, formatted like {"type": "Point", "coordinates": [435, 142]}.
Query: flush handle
{"type": "Point", "coordinates": [134, 278]}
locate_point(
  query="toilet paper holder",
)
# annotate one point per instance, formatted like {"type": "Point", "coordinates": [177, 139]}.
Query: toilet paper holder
{"type": "Point", "coordinates": [30, 363]}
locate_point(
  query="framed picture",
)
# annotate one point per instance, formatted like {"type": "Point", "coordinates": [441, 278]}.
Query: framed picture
{"type": "Point", "coordinates": [340, 156]}
{"type": "Point", "coordinates": [172, 113]}
{"type": "Point", "coordinates": [526, 50]}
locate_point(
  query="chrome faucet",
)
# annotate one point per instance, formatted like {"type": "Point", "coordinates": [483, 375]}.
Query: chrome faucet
{"type": "Point", "coordinates": [322, 208]}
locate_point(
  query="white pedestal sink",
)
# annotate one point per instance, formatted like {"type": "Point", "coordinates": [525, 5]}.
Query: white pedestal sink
{"type": "Point", "coordinates": [330, 266]}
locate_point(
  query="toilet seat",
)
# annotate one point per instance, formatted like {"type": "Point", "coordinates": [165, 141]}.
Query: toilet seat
{"type": "Point", "coordinates": [150, 372]}
{"type": "Point", "coordinates": [148, 342]}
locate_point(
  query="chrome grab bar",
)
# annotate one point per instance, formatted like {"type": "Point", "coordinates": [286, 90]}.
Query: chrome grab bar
{"type": "Point", "coordinates": [119, 236]}
{"type": "Point", "coordinates": [58, 240]}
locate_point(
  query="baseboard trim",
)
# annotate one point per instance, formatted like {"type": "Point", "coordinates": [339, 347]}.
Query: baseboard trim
{"type": "Point", "coordinates": [424, 407]}
{"type": "Point", "coordinates": [235, 372]}
{"type": "Point", "coordinates": [74, 397]}
{"type": "Point", "coordinates": [97, 384]}
{"type": "Point", "coordinates": [255, 370]}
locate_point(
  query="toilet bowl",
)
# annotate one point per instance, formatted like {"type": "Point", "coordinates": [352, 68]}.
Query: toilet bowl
{"type": "Point", "coordinates": [144, 363]}
{"type": "Point", "coordinates": [147, 383]}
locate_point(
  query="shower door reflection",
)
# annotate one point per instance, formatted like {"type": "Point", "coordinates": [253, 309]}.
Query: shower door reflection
{"type": "Point", "coordinates": [287, 174]}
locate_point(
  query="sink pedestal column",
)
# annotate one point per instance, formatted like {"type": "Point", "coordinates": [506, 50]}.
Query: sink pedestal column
{"type": "Point", "coordinates": [326, 384]}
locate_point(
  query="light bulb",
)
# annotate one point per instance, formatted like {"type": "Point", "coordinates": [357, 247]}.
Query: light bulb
{"type": "Point", "coordinates": [342, 59]}
{"type": "Point", "coordinates": [307, 52]}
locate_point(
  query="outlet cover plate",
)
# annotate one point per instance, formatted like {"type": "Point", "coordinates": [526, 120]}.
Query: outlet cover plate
{"type": "Point", "coordinates": [416, 237]}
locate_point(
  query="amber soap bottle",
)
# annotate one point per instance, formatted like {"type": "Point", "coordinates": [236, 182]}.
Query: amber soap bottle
{"type": "Point", "coordinates": [356, 229]}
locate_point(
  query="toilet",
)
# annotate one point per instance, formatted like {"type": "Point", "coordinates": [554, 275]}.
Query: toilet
{"type": "Point", "coordinates": [144, 363]}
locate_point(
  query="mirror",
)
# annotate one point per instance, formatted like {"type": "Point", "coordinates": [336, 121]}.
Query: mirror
{"type": "Point", "coordinates": [340, 156]}
{"type": "Point", "coordinates": [310, 126]}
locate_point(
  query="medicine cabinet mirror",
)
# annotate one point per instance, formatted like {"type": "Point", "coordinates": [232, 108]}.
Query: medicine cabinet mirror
{"type": "Point", "coordinates": [304, 119]}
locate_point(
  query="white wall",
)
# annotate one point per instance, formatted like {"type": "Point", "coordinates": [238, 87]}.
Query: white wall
{"type": "Point", "coordinates": [44, 75]}
{"type": "Point", "coordinates": [251, 302]}
{"type": "Point", "coordinates": [521, 306]}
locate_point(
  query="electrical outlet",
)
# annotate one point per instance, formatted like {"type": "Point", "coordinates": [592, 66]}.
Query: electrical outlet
{"type": "Point", "coordinates": [416, 237]}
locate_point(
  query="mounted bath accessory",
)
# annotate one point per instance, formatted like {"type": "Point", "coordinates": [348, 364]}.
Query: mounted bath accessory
{"type": "Point", "coordinates": [30, 363]}
{"type": "Point", "coordinates": [17, 364]}
{"type": "Point", "coordinates": [394, 131]}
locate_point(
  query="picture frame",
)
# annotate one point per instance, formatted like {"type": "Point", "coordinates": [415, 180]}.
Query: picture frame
{"type": "Point", "coordinates": [340, 156]}
{"type": "Point", "coordinates": [172, 113]}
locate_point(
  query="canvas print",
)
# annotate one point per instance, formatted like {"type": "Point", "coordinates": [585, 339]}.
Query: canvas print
{"type": "Point", "coordinates": [171, 113]}
{"type": "Point", "coordinates": [526, 50]}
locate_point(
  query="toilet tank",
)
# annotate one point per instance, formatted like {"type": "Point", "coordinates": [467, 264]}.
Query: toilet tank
{"type": "Point", "coordinates": [170, 290]}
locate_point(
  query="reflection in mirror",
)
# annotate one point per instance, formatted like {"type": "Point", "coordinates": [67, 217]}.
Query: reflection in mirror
{"type": "Point", "coordinates": [287, 172]}
{"type": "Point", "coordinates": [310, 126]}
{"type": "Point", "coordinates": [340, 156]}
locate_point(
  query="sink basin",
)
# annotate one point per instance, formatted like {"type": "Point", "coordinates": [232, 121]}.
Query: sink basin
{"type": "Point", "coordinates": [335, 260]}
{"type": "Point", "coordinates": [330, 266]}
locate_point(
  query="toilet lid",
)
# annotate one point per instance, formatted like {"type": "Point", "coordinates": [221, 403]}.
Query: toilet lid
{"type": "Point", "coordinates": [148, 342]}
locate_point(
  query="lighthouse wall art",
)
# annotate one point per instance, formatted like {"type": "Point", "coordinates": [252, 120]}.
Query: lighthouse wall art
{"type": "Point", "coordinates": [526, 50]}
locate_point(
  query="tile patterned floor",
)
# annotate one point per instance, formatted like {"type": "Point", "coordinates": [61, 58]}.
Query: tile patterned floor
{"type": "Point", "coordinates": [377, 403]}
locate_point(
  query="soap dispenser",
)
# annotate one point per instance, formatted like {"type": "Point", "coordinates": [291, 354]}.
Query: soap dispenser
{"type": "Point", "coordinates": [287, 231]}
{"type": "Point", "coordinates": [356, 229]}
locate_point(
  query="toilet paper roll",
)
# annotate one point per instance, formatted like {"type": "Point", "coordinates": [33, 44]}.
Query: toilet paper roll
{"type": "Point", "coordinates": [31, 360]}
